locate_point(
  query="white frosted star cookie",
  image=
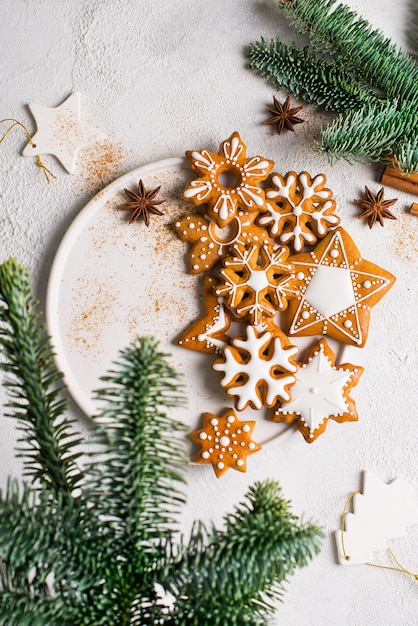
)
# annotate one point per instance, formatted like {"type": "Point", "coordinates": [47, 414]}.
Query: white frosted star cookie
{"type": "Point", "coordinates": [321, 392]}
{"type": "Point", "coordinates": [337, 289]}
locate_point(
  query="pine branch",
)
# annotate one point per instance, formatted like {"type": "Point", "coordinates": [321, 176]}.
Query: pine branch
{"type": "Point", "coordinates": [18, 609]}
{"type": "Point", "coordinates": [412, 28]}
{"type": "Point", "coordinates": [19, 532]}
{"type": "Point", "coordinates": [35, 387]}
{"type": "Point", "coordinates": [144, 449]}
{"type": "Point", "coordinates": [338, 30]}
{"type": "Point", "coordinates": [96, 558]}
{"type": "Point", "coordinates": [134, 485]}
{"type": "Point", "coordinates": [307, 77]}
{"type": "Point", "coordinates": [234, 576]}
{"type": "Point", "coordinates": [406, 155]}
{"type": "Point", "coordinates": [369, 134]}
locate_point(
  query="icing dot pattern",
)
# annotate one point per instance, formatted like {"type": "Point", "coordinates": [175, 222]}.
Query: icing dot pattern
{"type": "Point", "coordinates": [235, 442]}
{"type": "Point", "coordinates": [224, 199]}
{"type": "Point", "coordinates": [210, 244]}
{"type": "Point", "coordinates": [208, 333]}
{"type": "Point", "coordinates": [336, 290]}
{"type": "Point", "coordinates": [321, 392]}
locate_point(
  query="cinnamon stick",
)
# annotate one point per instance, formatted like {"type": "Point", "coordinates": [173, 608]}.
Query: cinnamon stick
{"type": "Point", "coordinates": [404, 182]}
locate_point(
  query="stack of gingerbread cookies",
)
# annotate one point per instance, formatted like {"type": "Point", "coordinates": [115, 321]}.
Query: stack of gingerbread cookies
{"type": "Point", "coordinates": [276, 265]}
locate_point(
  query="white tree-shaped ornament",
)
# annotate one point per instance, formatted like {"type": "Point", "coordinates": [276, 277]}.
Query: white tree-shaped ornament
{"type": "Point", "coordinates": [380, 513]}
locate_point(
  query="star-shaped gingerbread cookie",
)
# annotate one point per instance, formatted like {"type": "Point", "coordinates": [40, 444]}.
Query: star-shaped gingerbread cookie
{"type": "Point", "coordinates": [321, 392]}
{"type": "Point", "coordinates": [337, 290]}
{"type": "Point", "coordinates": [225, 442]}
{"type": "Point", "coordinates": [208, 333]}
{"type": "Point", "coordinates": [61, 131]}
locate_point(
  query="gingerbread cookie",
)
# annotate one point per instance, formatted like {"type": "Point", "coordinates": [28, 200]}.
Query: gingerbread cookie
{"type": "Point", "coordinates": [321, 392]}
{"type": "Point", "coordinates": [300, 209]}
{"type": "Point", "coordinates": [225, 442]}
{"type": "Point", "coordinates": [208, 333]}
{"type": "Point", "coordinates": [258, 369]}
{"type": "Point", "coordinates": [210, 243]}
{"type": "Point", "coordinates": [227, 180]}
{"type": "Point", "coordinates": [337, 289]}
{"type": "Point", "coordinates": [254, 281]}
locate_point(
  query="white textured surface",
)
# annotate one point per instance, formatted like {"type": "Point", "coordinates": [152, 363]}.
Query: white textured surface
{"type": "Point", "coordinates": [161, 78]}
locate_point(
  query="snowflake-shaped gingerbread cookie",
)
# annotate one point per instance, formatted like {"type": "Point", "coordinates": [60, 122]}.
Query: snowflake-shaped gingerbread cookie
{"type": "Point", "coordinates": [210, 243]}
{"type": "Point", "coordinates": [227, 180]}
{"type": "Point", "coordinates": [225, 442]}
{"type": "Point", "coordinates": [208, 333]}
{"type": "Point", "coordinates": [321, 392]}
{"type": "Point", "coordinates": [258, 369]}
{"type": "Point", "coordinates": [255, 282]}
{"type": "Point", "coordinates": [300, 209]}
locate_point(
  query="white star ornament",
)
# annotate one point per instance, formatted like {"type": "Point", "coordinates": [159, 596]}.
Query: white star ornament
{"type": "Point", "coordinates": [61, 131]}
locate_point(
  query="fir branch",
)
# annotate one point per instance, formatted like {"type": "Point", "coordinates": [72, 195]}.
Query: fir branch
{"type": "Point", "coordinates": [412, 28]}
{"type": "Point", "coordinates": [20, 609]}
{"type": "Point", "coordinates": [235, 575]}
{"type": "Point", "coordinates": [35, 387]}
{"type": "Point", "coordinates": [369, 134]}
{"type": "Point", "coordinates": [405, 155]}
{"type": "Point", "coordinates": [338, 30]}
{"type": "Point", "coordinates": [307, 77]}
{"type": "Point", "coordinates": [97, 558]}
{"type": "Point", "coordinates": [144, 449]}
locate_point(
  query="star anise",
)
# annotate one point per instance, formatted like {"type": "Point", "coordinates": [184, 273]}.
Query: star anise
{"type": "Point", "coordinates": [283, 115]}
{"type": "Point", "coordinates": [375, 208]}
{"type": "Point", "coordinates": [142, 203]}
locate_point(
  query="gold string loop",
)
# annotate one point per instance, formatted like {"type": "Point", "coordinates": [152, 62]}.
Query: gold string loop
{"type": "Point", "coordinates": [400, 567]}
{"type": "Point", "coordinates": [344, 513]}
{"type": "Point", "coordinates": [39, 162]}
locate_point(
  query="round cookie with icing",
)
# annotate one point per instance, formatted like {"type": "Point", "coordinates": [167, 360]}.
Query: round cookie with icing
{"type": "Point", "coordinates": [337, 289]}
{"type": "Point", "coordinates": [300, 209]}
{"type": "Point", "coordinates": [225, 442]}
{"type": "Point", "coordinates": [255, 281]}
{"type": "Point", "coordinates": [210, 243]}
{"type": "Point", "coordinates": [321, 392]}
{"type": "Point", "coordinates": [258, 369]}
{"type": "Point", "coordinates": [228, 180]}
{"type": "Point", "coordinates": [208, 333]}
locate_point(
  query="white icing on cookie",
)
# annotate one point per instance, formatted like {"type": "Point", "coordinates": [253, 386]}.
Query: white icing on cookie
{"type": "Point", "coordinates": [333, 290]}
{"type": "Point", "coordinates": [228, 180]}
{"type": "Point", "coordinates": [301, 205]}
{"type": "Point", "coordinates": [274, 374]}
{"type": "Point", "coordinates": [318, 392]}
{"type": "Point", "coordinates": [218, 326]}
{"type": "Point", "coordinates": [255, 281]}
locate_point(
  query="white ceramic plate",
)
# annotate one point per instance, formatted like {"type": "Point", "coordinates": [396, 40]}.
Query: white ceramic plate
{"type": "Point", "coordinates": [111, 281]}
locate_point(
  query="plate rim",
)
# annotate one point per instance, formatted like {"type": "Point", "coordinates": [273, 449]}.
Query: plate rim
{"type": "Point", "coordinates": [81, 399]}
{"type": "Point", "coordinates": [85, 403]}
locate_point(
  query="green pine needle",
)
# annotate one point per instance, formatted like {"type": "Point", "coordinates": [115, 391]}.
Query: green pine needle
{"type": "Point", "coordinates": [406, 155]}
{"type": "Point", "coordinates": [35, 387]}
{"type": "Point", "coordinates": [412, 28]}
{"type": "Point", "coordinates": [244, 565]}
{"type": "Point", "coordinates": [369, 134]}
{"type": "Point", "coordinates": [307, 77]}
{"type": "Point", "coordinates": [354, 70]}
{"type": "Point", "coordinates": [99, 546]}
{"type": "Point", "coordinates": [338, 30]}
